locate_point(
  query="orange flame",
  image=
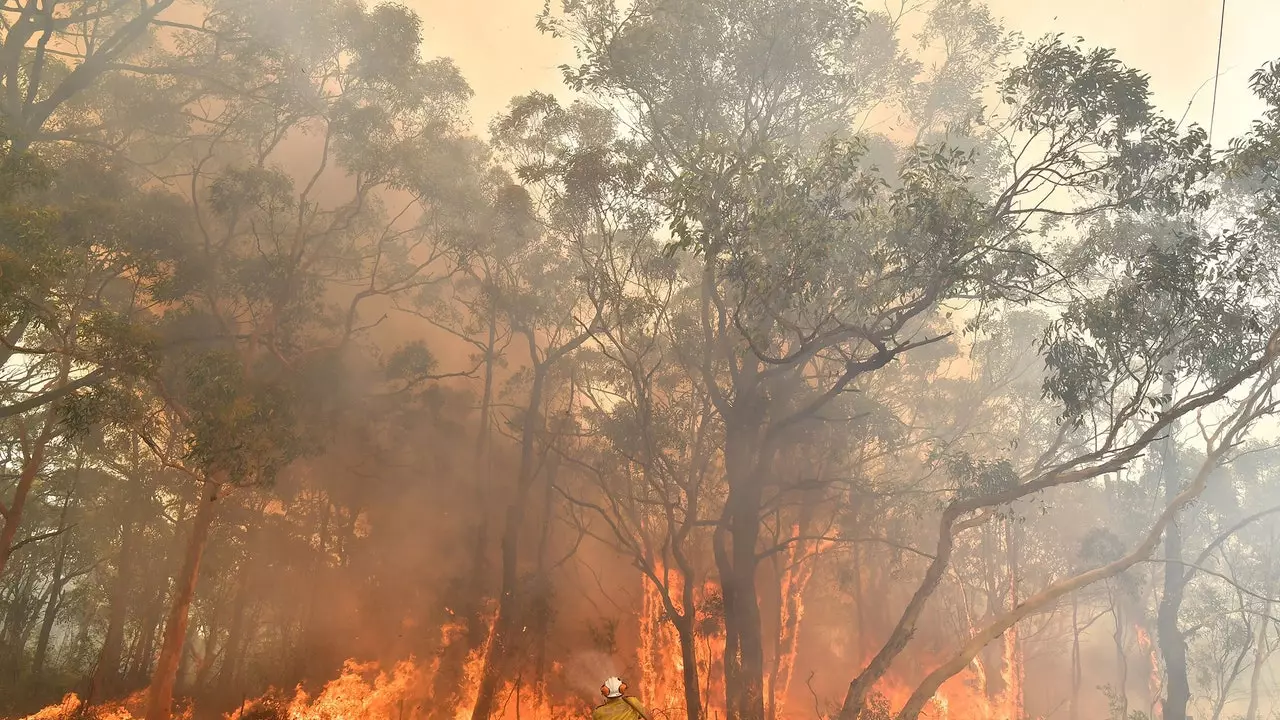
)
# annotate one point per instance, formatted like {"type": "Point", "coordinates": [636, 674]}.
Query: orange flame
{"type": "Point", "coordinates": [130, 708]}
{"type": "Point", "coordinates": [362, 691]}
{"type": "Point", "coordinates": [1153, 680]}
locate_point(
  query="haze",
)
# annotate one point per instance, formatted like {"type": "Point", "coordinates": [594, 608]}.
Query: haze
{"type": "Point", "coordinates": [786, 359]}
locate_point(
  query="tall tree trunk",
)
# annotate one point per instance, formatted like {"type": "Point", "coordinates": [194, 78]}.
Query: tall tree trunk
{"type": "Point", "coordinates": [1122, 660]}
{"type": "Point", "coordinates": [1260, 652]}
{"type": "Point", "coordinates": [308, 652]}
{"type": "Point", "coordinates": [229, 670]}
{"type": "Point", "coordinates": [471, 605]}
{"type": "Point", "coordinates": [1012, 645]}
{"type": "Point", "coordinates": [142, 663]}
{"type": "Point", "coordinates": [689, 658]}
{"type": "Point", "coordinates": [744, 646]}
{"type": "Point", "coordinates": [543, 631]}
{"type": "Point", "coordinates": [775, 665]}
{"type": "Point", "coordinates": [1173, 645]}
{"type": "Point", "coordinates": [1076, 669]}
{"type": "Point", "coordinates": [56, 584]}
{"type": "Point", "coordinates": [238, 630]}
{"type": "Point", "coordinates": [12, 513]}
{"type": "Point", "coordinates": [160, 695]}
{"type": "Point", "coordinates": [107, 674]}
{"type": "Point", "coordinates": [1259, 662]}
{"type": "Point", "coordinates": [509, 601]}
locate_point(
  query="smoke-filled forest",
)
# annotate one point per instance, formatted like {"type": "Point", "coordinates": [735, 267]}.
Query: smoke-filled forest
{"type": "Point", "coordinates": [795, 359]}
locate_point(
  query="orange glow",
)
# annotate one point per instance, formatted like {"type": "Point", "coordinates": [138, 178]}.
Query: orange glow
{"type": "Point", "coordinates": [366, 691]}
{"type": "Point", "coordinates": [130, 708]}
{"type": "Point", "coordinates": [661, 661]}
{"type": "Point", "coordinates": [1153, 680]}
{"type": "Point", "coordinates": [958, 699]}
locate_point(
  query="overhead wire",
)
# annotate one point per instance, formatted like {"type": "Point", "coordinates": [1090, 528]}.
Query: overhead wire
{"type": "Point", "coordinates": [1217, 71]}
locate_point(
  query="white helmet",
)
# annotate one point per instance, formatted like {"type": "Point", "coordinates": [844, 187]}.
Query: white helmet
{"type": "Point", "coordinates": [613, 687]}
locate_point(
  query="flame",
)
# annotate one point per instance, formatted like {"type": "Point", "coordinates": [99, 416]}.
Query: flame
{"type": "Point", "coordinates": [130, 708]}
{"type": "Point", "coordinates": [1153, 680]}
{"type": "Point", "coordinates": [365, 691]}
{"type": "Point", "coordinates": [661, 661]}
{"type": "Point", "coordinates": [351, 696]}
{"type": "Point", "coordinates": [472, 669]}
{"type": "Point", "coordinates": [795, 578]}
{"type": "Point", "coordinates": [960, 698]}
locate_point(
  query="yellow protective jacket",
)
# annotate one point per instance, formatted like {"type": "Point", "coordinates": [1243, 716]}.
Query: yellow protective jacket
{"type": "Point", "coordinates": [621, 708]}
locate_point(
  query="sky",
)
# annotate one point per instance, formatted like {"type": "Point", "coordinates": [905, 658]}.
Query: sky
{"type": "Point", "coordinates": [502, 54]}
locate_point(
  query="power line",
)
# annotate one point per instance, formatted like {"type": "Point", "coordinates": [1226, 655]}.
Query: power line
{"type": "Point", "coordinates": [1217, 71]}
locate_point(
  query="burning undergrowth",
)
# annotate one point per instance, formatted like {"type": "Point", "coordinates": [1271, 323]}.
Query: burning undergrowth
{"type": "Point", "coordinates": [411, 689]}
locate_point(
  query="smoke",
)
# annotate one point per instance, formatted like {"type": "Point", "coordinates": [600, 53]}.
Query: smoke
{"type": "Point", "coordinates": [586, 670]}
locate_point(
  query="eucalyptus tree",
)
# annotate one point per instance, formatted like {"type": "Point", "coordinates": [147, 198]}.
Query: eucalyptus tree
{"type": "Point", "coordinates": [270, 282]}
{"type": "Point", "coordinates": [816, 269]}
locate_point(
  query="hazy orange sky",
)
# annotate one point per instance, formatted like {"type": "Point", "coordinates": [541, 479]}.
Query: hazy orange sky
{"type": "Point", "coordinates": [502, 54]}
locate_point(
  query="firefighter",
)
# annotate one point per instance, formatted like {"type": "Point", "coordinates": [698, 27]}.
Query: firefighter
{"type": "Point", "coordinates": [617, 706]}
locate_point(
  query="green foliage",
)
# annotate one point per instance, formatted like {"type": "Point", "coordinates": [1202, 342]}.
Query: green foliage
{"type": "Point", "coordinates": [1187, 304]}
{"type": "Point", "coordinates": [237, 428]}
{"type": "Point", "coordinates": [978, 477]}
{"type": "Point", "coordinates": [412, 362]}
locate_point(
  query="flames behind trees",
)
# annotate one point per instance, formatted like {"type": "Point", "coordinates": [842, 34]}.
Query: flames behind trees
{"type": "Point", "coordinates": [316, 406]}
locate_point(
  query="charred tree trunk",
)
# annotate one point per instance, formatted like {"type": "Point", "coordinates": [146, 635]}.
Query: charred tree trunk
{"type": "Point", "coordinates": [684, 624]}
{"type": "Point", "coordinates": [775, 666]}
{"type": "Point", "coordinates": [543, 585]}
{"type": "Point", "coordinates": [160, 695]}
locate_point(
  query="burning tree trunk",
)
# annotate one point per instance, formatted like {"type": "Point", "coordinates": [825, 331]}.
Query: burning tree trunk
{"type": "Point", "coordinates": [160, 695]}
{"type": "Point", "coordinates": [794, 579]}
